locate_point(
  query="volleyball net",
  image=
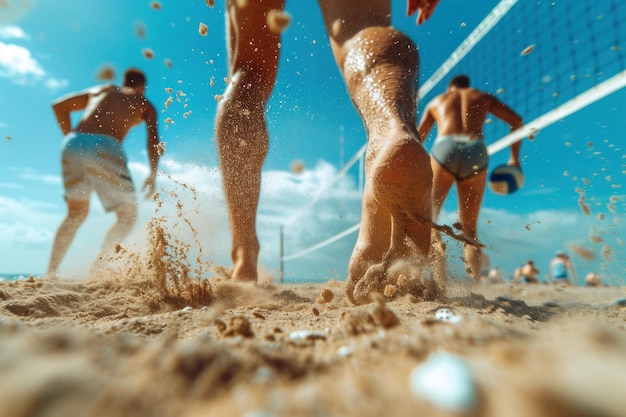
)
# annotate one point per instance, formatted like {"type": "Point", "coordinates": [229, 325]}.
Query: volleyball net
{"type": "Point", "coordinates": [545, 59]}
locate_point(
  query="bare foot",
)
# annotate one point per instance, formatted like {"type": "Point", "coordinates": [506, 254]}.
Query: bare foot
{"type": "Point", "coordinates": [244, 266]}
{"type": "Point", "coordinates": [400, 188]}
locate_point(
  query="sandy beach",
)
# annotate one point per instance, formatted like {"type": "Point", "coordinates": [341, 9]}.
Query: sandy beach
{"type": "Point", "coordinates": [134, 345]}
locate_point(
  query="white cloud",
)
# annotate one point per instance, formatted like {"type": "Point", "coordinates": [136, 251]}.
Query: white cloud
{"type": "Point", "coordinates": [31, 174]}
{"type": "Point", "coordinates": [13, 32]}
{"type": "Point", "coordinates": [54, 84]}
{"type": "Point", "coordinates": [18, 65]}
{"type": "Point", "coordinates": [25, 223]}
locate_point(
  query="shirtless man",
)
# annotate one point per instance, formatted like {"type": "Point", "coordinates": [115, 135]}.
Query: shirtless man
{"type": "Point", "coordinates": [379, 65]}
{"type": "Point", "coordinates": [459, 155]}
{"type": "Point", "coordinates": [93, 159]}
{"type": "Point", "coordinates": [529, 272]}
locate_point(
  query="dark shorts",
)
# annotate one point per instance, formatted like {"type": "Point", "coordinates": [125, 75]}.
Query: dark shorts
{"type": "Point", "coordinates": [461, 156]}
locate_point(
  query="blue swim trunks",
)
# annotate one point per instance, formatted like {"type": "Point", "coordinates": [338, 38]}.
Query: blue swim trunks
{"type": "Point", "coordinates": [461, 155]}
{"type": "Point", "coordinates": [96, 163]}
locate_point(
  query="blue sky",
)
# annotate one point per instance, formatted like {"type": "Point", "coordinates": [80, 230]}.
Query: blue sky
{"type": "Point", "coordinates": [42, 58]}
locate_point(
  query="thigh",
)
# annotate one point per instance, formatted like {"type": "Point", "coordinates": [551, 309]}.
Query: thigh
{"type": "Point", "coordinates": [112, 182]}
{"type": "Point", "coordinates": [442, 182]}
{"type": "Point", "coordinates": [75, 182]}
{"type": "Point", "coordinates": [253, 46]}
{"type": "Point", "coordinates": [344, 19]}
{"type": "Point", "coordinates": [77, 209]}
{"type": "Point", "coordinates": [470, 192]}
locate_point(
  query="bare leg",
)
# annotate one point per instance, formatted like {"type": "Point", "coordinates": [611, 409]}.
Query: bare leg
{"type": "Point", "coordinates": [442, 182]}
{"type": "Point", "coordinates": [471, 192]}
{"type": "Point", "coordinates": [241, 132]}
{"type": "Point", "coordinates": [77, 211]}
{"type": "Point", "coordinates": [380, 65]}
{"type": "Point", "coordinates": [126, 218]}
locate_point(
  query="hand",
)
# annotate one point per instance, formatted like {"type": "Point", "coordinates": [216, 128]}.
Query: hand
{"type": "Point", "coordinates": [425, 7]}
{"type": "Point", "coordinates": [150, 185]}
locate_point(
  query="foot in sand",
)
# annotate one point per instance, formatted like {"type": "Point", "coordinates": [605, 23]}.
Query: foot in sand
{"type": "Point", "coordinates": [395, 229]}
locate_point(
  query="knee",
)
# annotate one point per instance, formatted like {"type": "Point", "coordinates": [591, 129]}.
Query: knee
{"type": "Point", "coordinates": [76, 215]}
{"type": "Point", "coordinates": [249, 89]}
{"type": "Point", "coordinates": [127, 214]}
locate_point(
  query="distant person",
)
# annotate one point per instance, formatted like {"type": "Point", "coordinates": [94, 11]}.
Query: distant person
{"type": "Point", "coordinates": [560, 265]}
{"type": "Point", "coordinates": [593, 280]}
{"type": "Point", "coordinates": [494, 276]}
{"type": "Point", "coordinates": [380, 66]}
{"type": "Point", "coordinates": [529, 273]}
{"type": "Point", "coordinates": [459, 155]}
{"type": "Point", "coordinates": [93, 159]}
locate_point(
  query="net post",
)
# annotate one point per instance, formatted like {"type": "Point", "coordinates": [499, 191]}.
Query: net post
{"type": "Point", "coordinates": [281, 251]}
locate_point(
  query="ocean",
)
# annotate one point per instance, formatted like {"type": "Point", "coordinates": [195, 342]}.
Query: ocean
{"type": "Point", "coordinates": [16, 277]}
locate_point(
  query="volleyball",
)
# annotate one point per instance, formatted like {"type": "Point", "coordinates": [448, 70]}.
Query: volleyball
{"type": "Point", "coordinates": [506, 179]}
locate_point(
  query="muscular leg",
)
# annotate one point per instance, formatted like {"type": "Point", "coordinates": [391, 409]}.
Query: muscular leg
{"type": "Point", "coordinates": [241, 131]}
{"type": "Point", "coordinates": [77, 211]}
{"type": "Point", "coordinates": [442, 182]}
{"type": "Point", "coordinates": [126, 218]}
{"type": "Point", "coordinates": [470, 193]}
{"type": "Point", "coordinates": [379, 65]}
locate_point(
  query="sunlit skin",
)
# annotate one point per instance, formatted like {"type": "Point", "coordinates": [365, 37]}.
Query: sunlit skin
{"type": "Point", "coordinates": [379, 65]}
{"type": "Point", "coordinates": [111, 111]}
{"type": "Point", "coordinates": [463, 111]}
{"type": "Point", "coordinates": [529, 272]}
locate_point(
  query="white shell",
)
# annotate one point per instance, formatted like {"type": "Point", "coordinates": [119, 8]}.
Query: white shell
{"type": "Point", "coordinates": [307, 335]}
{"type": "Point", "coordinates": [445, 314]}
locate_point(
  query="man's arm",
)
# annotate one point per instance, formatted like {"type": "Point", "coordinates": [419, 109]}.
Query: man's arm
{"type": "Point", "coordinates": [506, 114]}
{"type": "Point", "coordinates": [425, 126]}
{"type": "Point", "coordinates": [571, 268]}
{"type": "Point", "coordinates": [65, 106]}
{"type": "Point", "coordinates": [154, 150]}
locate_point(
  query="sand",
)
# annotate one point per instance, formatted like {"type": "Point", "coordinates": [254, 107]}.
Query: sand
{"type": "Point", "coordinates": [133, 345]}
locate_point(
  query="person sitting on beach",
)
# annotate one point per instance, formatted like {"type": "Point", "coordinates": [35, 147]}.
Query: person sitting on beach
{"type": "Point", "coordinates": [93, 159]}
{"type": "Point", "coordinates": [459, 155]}
{"type": "Point", "coordinates": [528, 273]}
{"type": "Point", "coordinates": [379, 65]}
{"type": "Point", "coordinates": [495, 276]}
{"type": "Point", "coordinates": [593, 280]}
{"type": "Point", "coordinates": [559, 267]}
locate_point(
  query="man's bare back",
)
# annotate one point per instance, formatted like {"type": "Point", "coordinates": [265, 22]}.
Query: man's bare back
{"type": "Point", "coordinates": [113, 111]}
{"type": "Point", "coordinates": [463, 111]}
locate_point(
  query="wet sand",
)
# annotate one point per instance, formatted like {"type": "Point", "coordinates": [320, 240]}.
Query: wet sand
{"type": "Point", "coordinates": [138, 346]}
